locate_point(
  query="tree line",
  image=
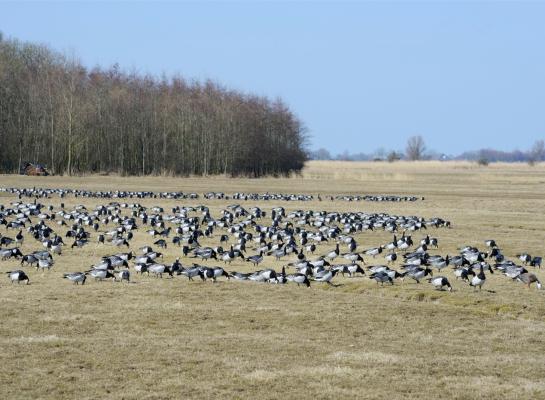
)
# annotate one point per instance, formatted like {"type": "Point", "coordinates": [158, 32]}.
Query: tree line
{"type": "Point", "coordinates": [55, 111]}
{"type": "Point", "coordinates": [415, 149]}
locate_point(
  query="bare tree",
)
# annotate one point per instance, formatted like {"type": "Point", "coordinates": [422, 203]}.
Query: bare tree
{"type": "Point", "coordinates": [415, 148]}
{"type": "Point", "coordinates": [537, 153]}
{"type": "Point", "coordinates": [54, 109]}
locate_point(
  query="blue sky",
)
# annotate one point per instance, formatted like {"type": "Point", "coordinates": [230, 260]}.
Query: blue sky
{"type": "Point", "coordinates": [464, 75]}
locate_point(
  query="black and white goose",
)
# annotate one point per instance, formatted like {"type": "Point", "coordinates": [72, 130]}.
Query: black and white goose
{"type": "Point", "coordinates": [300, 279]}
{"type": "Point", "coordinates": [439, 282]}
{"type": "Point", "coordinates": [381, 277]}
{"type": "Point", "coordinates": [479, 279]}
{"type": "Point", "coordinates": [123, 275]}
{"type": "Point", "coordinates": [18, 276]}
{"type": "Point", "coordinates": [325, 276]}
{"type": "Point", "coordinates": [374, 251]}
{"type": "Point", "coordinates": [256, 259]}
{"type": "Point", "coordinates": [101, 274]}
{"type": "Point", "coordinates": [76, 277]}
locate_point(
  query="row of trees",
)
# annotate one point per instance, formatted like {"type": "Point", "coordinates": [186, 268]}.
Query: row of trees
{"type": "Point", "coordinates": [55, 111]}
{"type": "Point", "coordinates": [416, 150]}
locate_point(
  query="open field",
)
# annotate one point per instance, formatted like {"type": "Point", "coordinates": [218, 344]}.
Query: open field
{"type": "Point", "coordinates": [170, 338]}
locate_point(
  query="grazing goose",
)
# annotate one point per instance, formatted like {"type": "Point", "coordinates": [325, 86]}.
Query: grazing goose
{"type": "Point", "coordinates": [325, 276]}
{"type": "Point", "coordinates": [300, 279]}
{"type": "Point", "coordinates": [76, 277]}
{"type": "Point", "coordinates": [192, 272]}
{"type": "Point", "coordinates": [464, 273]}
{"type": "Point", "coordinates": [374, 251]}
{"type": "Point", "coordinates": [528, 279]}
{"type": "Point", "coordinates": [353, 257]}
{"type": "Point", "coordinates": [123, 275]}
{"type": "Point", "coordinates": [213, 273]}
{"type": "Point", "coordinates": [45, 264]}
{"type": "Point", "coordinates": [159, 269]}
{"type": "Point", "coordinates": [239, 276]}
{"type": "Point", "coordinates": [439, 282]}
{"type": "Point", "coordinates": [381, 277]}
{"type": "Point", "coordinates": [101, 274]}
{"type": "Point", "coordinates": [418, 273]}
{"type": "Point", "coordinates": [440, 262]}
{"type": "Point", "coordinates": [18, 276]}
{"type": "Point", "coordinates": [391, 258]}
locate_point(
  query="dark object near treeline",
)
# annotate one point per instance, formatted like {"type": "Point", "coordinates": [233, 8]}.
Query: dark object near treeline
{"type": "Point", "coordinates": [33, 169]}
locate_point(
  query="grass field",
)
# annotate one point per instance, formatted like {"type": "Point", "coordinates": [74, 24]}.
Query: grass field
{"type": "Point", "coordinates": [170, 338]}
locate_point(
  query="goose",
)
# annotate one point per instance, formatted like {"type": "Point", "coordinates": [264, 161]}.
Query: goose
{"type": "Point", "coordinates": [159, 269]}
{"type": "Point", "coordinates": [374, 251]}
{"type": "Point", "coordinates": [123, 275]}
{"type": "Point", "coordinates": [239, 276]}
{"type": "Point", "coordinates": [418, 273]}
{"type": "Point", "coordinates": [390, 258]}
{"type": "Point", "coordinates": [120, 242]}
{"type": "Point", "coordinates": [353, 257]}
{"type": "Point", "coordinates": [536, 262]}
{"type": "Point", "coordinates": [141, 268]}
{"type": "Point", "coordinates": [439, 282]}
{"type": "Point", "coordinates": [76, 277]}
{"type": "Point", "coordinates": [525, 258]}
{"type": "Point", "coordinates": [213, 273]}
{"type": "Point", "coordinates": [256, 259]}
{"type": "Point", "coordinates": [528, 279]}
{"type": "Point", "coordinates": [79, 243]}
{"type": "Point", "coordinates": [269, 274]}
{"type": "Point", "coordinates": [30, 259]}
{"type": "Point", "coordinates": [45, 264]}
{"type": "Point", "coordinates": [490, 243]}
{"type": "Point", "coordinates": [479, 279]}
{"type": "Point", "coordinates": [440, 262]}
{"type": "Point", "coordinates": [192, 272]}
{"type": "Point", "coordinates": [325, 276]}
{"type": "Point", "coordinates": [10, 253]}
{"type": "Point", "coordinates": [463, 273]}
{"type": "Point", "coordinates": [161, 243]}
{"type": "Point", "coordinates": [333, 254]}
{"type": "Point", "coordinates": [300, 279]}
{"type": "Point", "coordinates": [18, 276]}
{"type": "Point", "coordinates": [4, 240]}
{"type": "Point", "coordinates": [101, 274]}
{"type": "Point", "coordinates": [381, 277]}
{"type": "Point", "coordinates": [354, 269]}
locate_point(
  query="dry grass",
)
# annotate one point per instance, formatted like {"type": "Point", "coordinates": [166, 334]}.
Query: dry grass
{"type": "Point", "coordinates": [162, 339]}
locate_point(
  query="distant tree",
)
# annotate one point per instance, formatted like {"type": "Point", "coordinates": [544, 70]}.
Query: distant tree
{"type": "Point", "coordinates": [483, 159]}
{"type": "Point", "coordinates": [380, 153]}
{"type": "Point", "coordinates": [415, 148]}
{"type": "Point", "coordinates": [537, 153]}
{"type": "Point", "coordinates": [321, 154]}
{"type": "Point", "coordinates": [393, 156]}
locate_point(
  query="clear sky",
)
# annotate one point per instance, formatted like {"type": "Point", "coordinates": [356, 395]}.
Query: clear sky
{"type": "Point", "coordinates": [464, 75]}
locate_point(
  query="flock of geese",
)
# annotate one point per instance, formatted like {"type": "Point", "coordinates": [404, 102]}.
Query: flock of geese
{"type": "Point", "coordinates": [314, 247]}
{"type": "Point", "coordinates": [118, 194]}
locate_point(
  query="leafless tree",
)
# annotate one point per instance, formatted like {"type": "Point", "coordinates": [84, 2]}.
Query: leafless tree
{"type": "Point", "coordinates": [55, 111]}
{"type": "Point", "coordinates": [415, 148]}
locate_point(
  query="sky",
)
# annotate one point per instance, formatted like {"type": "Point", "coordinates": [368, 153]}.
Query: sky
{"type": "Point", "coordinates": [360, 75]}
